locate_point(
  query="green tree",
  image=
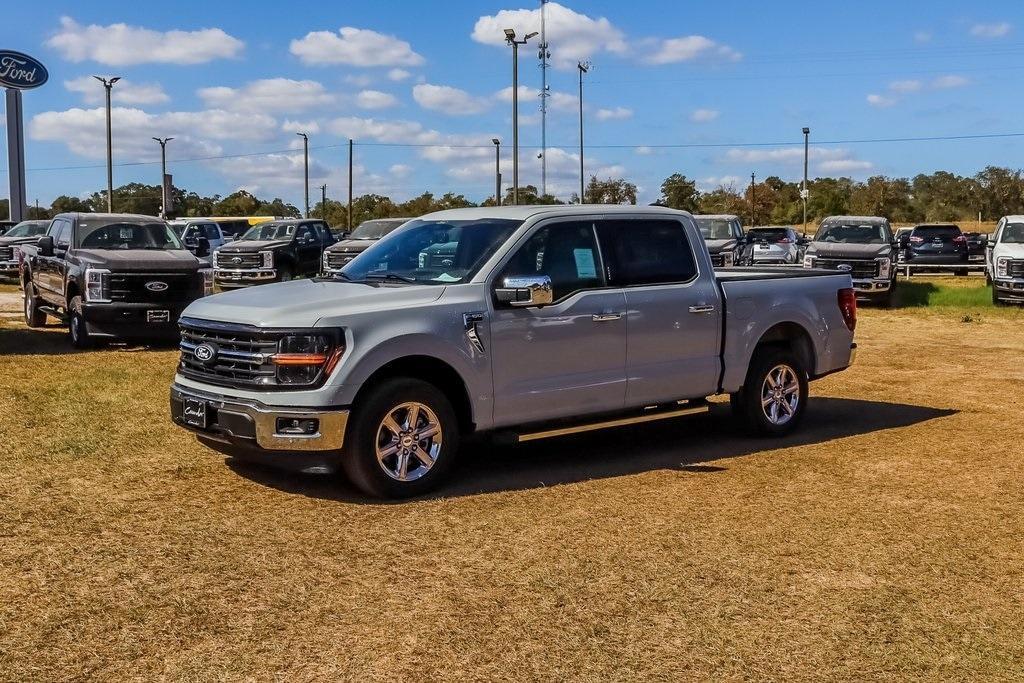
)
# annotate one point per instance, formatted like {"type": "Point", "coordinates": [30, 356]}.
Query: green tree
{"type": "Point", "coordinates": [610, 191]}
{"type": "Point", "coordinates": [67, 204]}
{"type": "Point", "coordinates": [679, 192]}
{"type": "Point", "coordinates": [239, 203]}
{"type": "Point", "coordinates": [725, 199]}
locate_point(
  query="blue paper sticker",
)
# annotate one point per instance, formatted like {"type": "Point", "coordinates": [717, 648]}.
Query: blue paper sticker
{"type": "Point", "coordinates": [585, 266]}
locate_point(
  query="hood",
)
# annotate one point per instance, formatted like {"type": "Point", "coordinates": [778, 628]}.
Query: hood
{"type": "Point", "coordinates": [1014, 251]}
{"type": "Point", "coordinates": [250, 246]}
{"type": "Point", "coordinates": [9, 241]}
{"type": "Point", "coordinates": [851, 251]}
{"type": "Point", "coordinates": [351, 245]}
{"type": "Point", "coordinates": [301, 303]}
{"type": "Point", "coordinates": [143, 260]}
{"type": "Point", "coordinates": [716, 246]}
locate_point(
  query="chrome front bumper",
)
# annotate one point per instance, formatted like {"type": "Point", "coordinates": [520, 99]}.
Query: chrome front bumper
{"type": "Point", "coordinates": [250, 423]}
{"type": "Point", "coordinates": [872, 285]}
{"type": "Point", "coordinates": [226, 275]}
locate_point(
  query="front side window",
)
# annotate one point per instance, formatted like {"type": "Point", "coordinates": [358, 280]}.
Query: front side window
{"type": "Point", "coordinates": [648, 252]}
{"type": "Point", "coordinates": [115, 234]}
{"type": "Point", "coordinates": [62, 236]}
{"type": "Point", "coordinates": [565, 252]}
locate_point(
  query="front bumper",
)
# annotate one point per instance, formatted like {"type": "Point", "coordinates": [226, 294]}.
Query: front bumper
{"type": "Point", "coordinates": [117, 320]}
{"type": "Point", "coordinates": [1009, 290]}
{"type": "Point", "coordinates": [223, 276]}
{"type": "Point", "coordinates": [9, 268]}
{"type": "Point", "coordinates": [872, 286]}
{"type": "Point", "coordinates": [252, 425]}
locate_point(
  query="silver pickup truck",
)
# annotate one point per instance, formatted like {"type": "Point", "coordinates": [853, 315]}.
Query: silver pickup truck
{"type": "Point", "coordinates": [546, 320]}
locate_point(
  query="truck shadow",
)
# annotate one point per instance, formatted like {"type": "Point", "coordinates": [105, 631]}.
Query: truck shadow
{"type": "Point", "coordinates": [683, 445]}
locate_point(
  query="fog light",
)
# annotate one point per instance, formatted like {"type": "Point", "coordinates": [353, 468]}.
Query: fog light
{"type": "Point", "coordinates": [297, 426]}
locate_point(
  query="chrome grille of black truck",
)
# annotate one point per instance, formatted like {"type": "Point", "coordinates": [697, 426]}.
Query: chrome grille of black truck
{"type": "Point", "coordinates": [859, 269]}
{"type": "Point", "coordinates": [243, 261]}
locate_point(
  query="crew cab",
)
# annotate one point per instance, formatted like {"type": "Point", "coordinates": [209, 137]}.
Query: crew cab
{"type": "Point", "coordinates": [26, 232]}
{"type": "Point", "coordinates": [724, 239]}
{"type": "Point", "coordinates": [1004, 261]}
{"type": "Point", "coordinates": [368, 232]}
{"type": "Point", "coordinates": [275, 251]}
{"type": "Point", "coordinates": [111, 277]}
{"type": "Point", "coordinates": [864, 247]}
{"type": "Point", "coordinates": [549, 320]}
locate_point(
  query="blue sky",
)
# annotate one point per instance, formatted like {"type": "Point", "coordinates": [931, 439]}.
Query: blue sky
{"type": "Point", "coordinates": [423, 87]}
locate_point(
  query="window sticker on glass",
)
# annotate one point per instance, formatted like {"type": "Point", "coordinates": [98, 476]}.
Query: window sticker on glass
{"type": "Point", "coordinates": [445, 277]}
{"type": "Point", "coordinates": [585, 266]}
{"type": "Point", "coordinates": [125, 233]}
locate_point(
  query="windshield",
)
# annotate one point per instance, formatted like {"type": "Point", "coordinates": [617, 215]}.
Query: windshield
{"type": "Point", "coordinates": [715, 228]}
{"type": "Point", "coordinates": [1013, 233]}
{"type": "Point", "coordinates": [431, 252]}
{"type": "Point", "coordinates": [374, 230]}
{"type": "Point", "coordinates": [115, 234]}
{"type": "Point", "coordinates": [769, 234]}
{"type": "Point", "coordinates": [28, 229]}
{"type": "Point", "coordinates": [268, 231]}
{"type": "Point", "coordinates": [852, 233]}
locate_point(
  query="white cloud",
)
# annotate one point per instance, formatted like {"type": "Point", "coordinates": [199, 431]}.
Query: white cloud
{"type": "Point", "coordinates": [398, 75]}
{"type": "Point", "coordinates": [375, 99]}
{"type": "Point", "coordinates": [123, 45]}
{"type": "Point", "coordinates": [906, 86]}
{"type": "Point", "coordinates": [125, 92]}
{"type": "Point", "coordinates": [844, 166]}
{"type": "Point", "coordinates": [382, 131]}
{"type": "Point", "coordinates": [571, 36]}
{"type": "Point", "coordinates": [714, 182]}
{"type": "Point", "coordinates": [922, 37]}
{"type": "Point", "coordinates": [825, 159]}
{"type": "Point", "coordinates": [643, 150]}
{"type": "Point", "coordinates": [449, 100]}
{"type": "Point", "coordinates": [308, 127]}
{"type": "Point", "coordinates": [268, 95]}
{"type": "Point", "coordinates": [359, 80]}
{"type": "Point", "coordinates": [559, 101]}
{"type": "Point", "coordinates": [400, 170]}
{"type": "Point", "coordinates": [881, 101]}
{"type": "Point", "coordinates": [687, 49]}
{"type": "Point", "coordinates": [950, 81]}
{"type": "Point", "coordinates": [616, 114]}
{"type": "Point", "coordinates": [704, 115]}
{"type": "Point", "coordinates": [996, 30]}
{"type": "Point", "coordinates": [354, 46]}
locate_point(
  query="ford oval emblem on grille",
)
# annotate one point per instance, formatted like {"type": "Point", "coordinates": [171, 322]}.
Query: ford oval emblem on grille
{"type": "Point", "coordinates": [205, 353]}
{"type": "Point", "coordinates": [156, 286]}
{"type": "Point", "coordinates": [236, 259]}
{"type": "Point", "coordinates": [845, 267]}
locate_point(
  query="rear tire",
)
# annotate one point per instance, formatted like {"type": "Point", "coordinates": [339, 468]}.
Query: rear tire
{"type": "Point", "coordinates": [34, 317]}
{"type": "Point", "coordinates": [774, 395]}
{"type": "Point", "coordinates": [412, 455]}
{"type": "Point", "coordinates": [78, 331]}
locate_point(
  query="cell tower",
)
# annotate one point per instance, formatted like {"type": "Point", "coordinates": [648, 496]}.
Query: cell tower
{"type": "Point", "coordinates": [544, 55]}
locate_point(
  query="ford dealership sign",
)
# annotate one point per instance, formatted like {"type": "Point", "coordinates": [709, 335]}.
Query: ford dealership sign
{"type": "Point", "coordinates": [20, 71]}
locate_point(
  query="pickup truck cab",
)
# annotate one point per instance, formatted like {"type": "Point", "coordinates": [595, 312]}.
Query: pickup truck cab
{"type": "Point", "coordinates": [26, 232]}
{"type": "Point", "coordinates": [275, 251]}
{"type": "Point", "coordinates": [549, 320]}
{"type": "Point", "coordinates": [1004, 261]}
{"type": "Point", "coordinates": [358, 241]}
{"type": "Point", "coordinates": [111, 277]}
{"type": "Point", "coordinates": [864, 247]}
{"type": "Point", "coordinates": [724, 239]}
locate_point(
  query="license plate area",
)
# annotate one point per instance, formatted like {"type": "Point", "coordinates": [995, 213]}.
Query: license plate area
{"type": "Point", "coordinates": [193, 412]}
{"type": "Point", "coordinates": [158, 316]}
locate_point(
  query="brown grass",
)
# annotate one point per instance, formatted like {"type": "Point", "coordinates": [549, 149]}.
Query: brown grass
{"type": "Point", "coordinates": [882, 542]}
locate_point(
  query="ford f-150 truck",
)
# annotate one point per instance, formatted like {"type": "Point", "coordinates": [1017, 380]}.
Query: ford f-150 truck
{"type": "Point", "coordinates": [111, 277]}
{"type": "Point", "coordinates": [546, 321]}
{"type": "Point", "coordinates": [275, 251]}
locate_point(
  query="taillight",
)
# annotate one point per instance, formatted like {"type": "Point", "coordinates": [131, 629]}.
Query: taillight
{"type": "Point", "coordinates": [916, 240]}
{"type": "Point", "coordinates": [847, 300]}
{"type": "Point", "coordinates": [960, 239]}
{"type": "Point", "coordinates": [784, 240]}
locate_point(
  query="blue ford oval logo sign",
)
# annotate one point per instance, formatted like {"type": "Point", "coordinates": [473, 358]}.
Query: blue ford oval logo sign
{"type": "Point", "coordinates": [205, 353]}
{"type": "Point", "coordinates": [156, 286]}
{"type": "Point", "coordinates": [20, 71]}
{"type": "Point", "coordinates": [845, 267]}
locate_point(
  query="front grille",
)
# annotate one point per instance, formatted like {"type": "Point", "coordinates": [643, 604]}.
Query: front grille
{"type": "Point", "coordinates": [243, 261]}
{"type": "Point", "coordinates": [860, 269]}
{"type": "Point", "coordinates": [162, 287]}
{"type": "Point", "coordinates": [1015, 268]}
{"type": "Point", "coordinates": [242, 354]}
{"type": "Point", "coordinates": [6, 253]}
{"type": "Point", "coordinates": [337, 259]}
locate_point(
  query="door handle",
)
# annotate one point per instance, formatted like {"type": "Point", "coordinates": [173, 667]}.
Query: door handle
{"type": "Point", "coordinates": [605, 317]}
{"type": "Point", "coordinates": [702, 308]}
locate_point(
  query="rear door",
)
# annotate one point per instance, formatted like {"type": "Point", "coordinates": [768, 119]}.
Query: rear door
{"type": "Point", "coordinates": [673, 317]}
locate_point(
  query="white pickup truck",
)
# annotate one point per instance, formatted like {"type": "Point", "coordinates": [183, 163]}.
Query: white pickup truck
{"type": "Point", "coordinates": [545, 320]}
{"type": "Point", "coordinates": [1004, 261]}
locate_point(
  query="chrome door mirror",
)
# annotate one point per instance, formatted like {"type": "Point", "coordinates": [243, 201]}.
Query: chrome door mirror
{"type": "Point", "coordinates": [525, 290]}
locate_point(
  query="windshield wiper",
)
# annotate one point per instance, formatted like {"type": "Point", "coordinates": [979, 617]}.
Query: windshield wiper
{"type": "Point", "coordinates": [390, 276]}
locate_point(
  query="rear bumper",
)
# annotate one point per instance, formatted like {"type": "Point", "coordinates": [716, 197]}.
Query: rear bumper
{"type": "Point", "coordinates": [133, 321]}
{"type": "Point", "coordinates": [936, 259]}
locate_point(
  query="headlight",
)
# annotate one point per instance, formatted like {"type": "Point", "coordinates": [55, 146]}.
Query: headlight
{"type": "Point", "coordinates": [1002, 266]}
{"type": "Point", "coordinates": [884, 268]}
{"type": "Point", "coordinates": [17, 254]}
{"type": "Point", "coordinates": [268, 259]}
{"type": "Point", "coordinates": [323, 260]}
{"type": "Point", "coordinates": [808, 261]}
{"type": "Point", "coordinates": [728, 259]}
{"type": "Point", "coordinates": [304, 358]}
{"type": "Point", "coordinates": [207, 281]}
{"type": "Point", "coordinates": [97, 285]}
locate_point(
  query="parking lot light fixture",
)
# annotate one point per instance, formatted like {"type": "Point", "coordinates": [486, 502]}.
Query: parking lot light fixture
{"type": "Point", "coordinates": [497, 171]}
{"type": "Point", "coordinates": [804, 192]}
{"type": "Point", "coordinates": [163, 175]}
{"type": "Point", "coordinates": [305, 167]}
{"type": "Point", "coordinates": [510, 38]}
{"type": "Point", "coordinates": [108, 84]}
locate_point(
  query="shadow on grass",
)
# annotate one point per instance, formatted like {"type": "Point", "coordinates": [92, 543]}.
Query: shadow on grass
{"type": "Point", "coordinates": [681, 445]}
{"type": "Point", "coordinates": [914, 294]}
{"type": "Point", "coordinates": [52, 340]}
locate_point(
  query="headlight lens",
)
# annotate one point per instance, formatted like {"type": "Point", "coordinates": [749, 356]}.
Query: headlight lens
{"type": "Point", "coordinates": [97, 285]}
{"type": "Point", "coordinates": [884, 268]}
{"type": "Point", "coordinates": [303, 358]}
{"type": "Point", "coordinates": [18, 255]}
{"type": "Point", "coordinates": [268, 259]}
{"type": "Point", "coordinates": [323, 260]}
{"type": "Point", "coordinates": [207, 281]}
{"type": "Point", "coordinates": [808, 261]}
{"type": "Point", "coordinates": [728, 259]}
{"type": "Point", "coordinates": [1002, 267]}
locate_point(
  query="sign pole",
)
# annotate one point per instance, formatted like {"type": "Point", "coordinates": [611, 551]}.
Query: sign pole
{"type": "Point", "coordinates": [16, 156]}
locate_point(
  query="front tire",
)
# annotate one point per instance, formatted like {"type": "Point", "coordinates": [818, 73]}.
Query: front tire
{"type": "Point", "coordinates": [284, 273]}
{"type": "Point", "coordinates": [774, 395]}
{"type": "Point", "coordinates": [402, 439]}
{"type": "Point", "coordinates": [78, 331]}
{"type": "Point", "coordinates": [996, 301]}
{"type": "Point", "coordinates": [34, 317]}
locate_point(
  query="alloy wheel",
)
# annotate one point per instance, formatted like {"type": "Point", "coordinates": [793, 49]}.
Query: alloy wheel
{"type": "Point", "coordinates": [780, 394]}
{"type": "Point", "coordinates": [408, 441]}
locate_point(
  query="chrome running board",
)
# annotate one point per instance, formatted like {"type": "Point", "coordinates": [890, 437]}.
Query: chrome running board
{"type": "Point", "coordinates": [690, 408]}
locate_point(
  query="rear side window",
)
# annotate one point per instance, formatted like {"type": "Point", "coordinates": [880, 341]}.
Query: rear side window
{"type": "Point", "coordinates": [648, 252]}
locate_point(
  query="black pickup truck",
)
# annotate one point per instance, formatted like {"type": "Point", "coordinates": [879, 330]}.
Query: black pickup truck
{"type": "Point", "coordinates": [111, 277]}
{"type": "Point", "coordinates": [273, 252]}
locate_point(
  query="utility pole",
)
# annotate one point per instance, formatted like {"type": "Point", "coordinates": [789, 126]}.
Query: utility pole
{"type": "Point", "coordinates": [753, 221]}
{"type": "Point", "coordinates": [108, 84]}
{"type": "Point", "coordinates": [350, 185]}
{"type": "Point", "coordinates": [497, 171]}
{"type": "Point", "coordinates": [163, 175]}
{"type": "Point", "coordinates": [510, 38]}
{"type": "Point", "coordinates": [544, 55]}
{"type": "Point", "coordinates": [323, 201]}
{"type": "Point", "coordinates": [805, 193]}
{"type": "Point", "coordinates": [305, 159]}
{"type": "Point", "coordinates": [583, 68]}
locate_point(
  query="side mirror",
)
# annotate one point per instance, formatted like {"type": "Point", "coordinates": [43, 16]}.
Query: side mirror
{"type": "Point", "coordinates": [202, 247]}
{"type": "Point", "coordinates": [526, 290]}
{"type": "Point", "coordinates": [45, 245]}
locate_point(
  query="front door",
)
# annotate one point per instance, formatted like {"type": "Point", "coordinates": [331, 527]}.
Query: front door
{"type": "Point", "coordinates": [567, 358]}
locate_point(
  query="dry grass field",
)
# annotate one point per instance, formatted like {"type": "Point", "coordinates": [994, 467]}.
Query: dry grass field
{"type": "Point", "coordinates": [883, 542]}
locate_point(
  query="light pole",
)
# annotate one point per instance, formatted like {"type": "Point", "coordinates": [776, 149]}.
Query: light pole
{"type": "Point", "coordinates": [305, 165]}
{"type": "Point", "coordinates": [108, 84]}
{"type": "Point", "coordinates": [510, 38]}
{"type": "Point", "coordinates": [805, 193]}
{"type": "Point", "coordinates": [323, 201]}
{"type": "Point", "coordinates": [583, 68]}
{"type": "Point", "coordinates": [753, 221]}
{"type": "Point", "coordinates": [163, 175]}
{"type": "Point", "coordinates": [497, 171]}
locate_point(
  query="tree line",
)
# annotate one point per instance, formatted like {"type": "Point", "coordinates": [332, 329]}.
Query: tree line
{"type": "Point", "coordinates": [940, 196]}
